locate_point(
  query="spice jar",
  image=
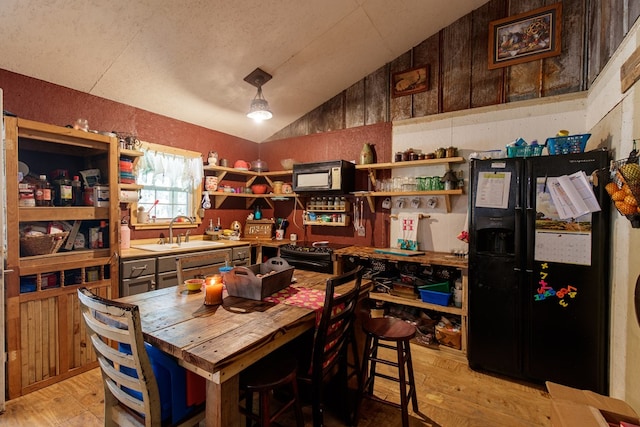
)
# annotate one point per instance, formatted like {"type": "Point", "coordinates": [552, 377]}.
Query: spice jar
{"type": "Point", "coordinates": [452, 152]}
{"type": "Point", "coordinates": [440, 153]}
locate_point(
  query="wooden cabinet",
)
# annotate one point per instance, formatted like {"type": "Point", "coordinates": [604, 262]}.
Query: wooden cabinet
{"type": "Point", "coordinates": [373, 168]}
{"type": "Point", "coordinates": [429, 259]}
{"type": "Point", "coordinates": [235, 179]}
{"type": "Point", "coordinates": [46, 337]}
{"type": "Point", "coordinates": [159, 271]}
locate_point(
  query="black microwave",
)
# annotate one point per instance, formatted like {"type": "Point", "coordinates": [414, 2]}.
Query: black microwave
{"type": "Point", "coordinates": [334, 176]}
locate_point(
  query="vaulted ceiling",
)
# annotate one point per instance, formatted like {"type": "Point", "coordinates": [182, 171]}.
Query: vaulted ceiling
{"type": "Point", "coordinates": [187, 59]}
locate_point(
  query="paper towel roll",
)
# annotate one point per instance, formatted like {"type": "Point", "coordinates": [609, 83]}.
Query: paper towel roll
{"type": "Point", "coordinates": [128, 196]}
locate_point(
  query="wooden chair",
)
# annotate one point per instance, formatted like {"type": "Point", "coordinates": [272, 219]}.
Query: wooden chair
{"type": "Point", "coordinates": [272, 374]}
{"type": "Point", "coordinates": [333, 335]}
{"type": "Point", "coordinates": [131, 392]}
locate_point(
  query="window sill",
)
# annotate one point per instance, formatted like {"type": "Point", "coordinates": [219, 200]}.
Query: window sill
{"type": "Point", "coordinates": [165, 225]}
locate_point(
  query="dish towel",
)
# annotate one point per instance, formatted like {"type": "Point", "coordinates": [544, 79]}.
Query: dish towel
{"type": "Point", "coordinates": [408, 235]}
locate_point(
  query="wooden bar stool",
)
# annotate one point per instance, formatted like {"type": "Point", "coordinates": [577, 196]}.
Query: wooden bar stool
{"type": "Point", "coordinates": [400, 333]}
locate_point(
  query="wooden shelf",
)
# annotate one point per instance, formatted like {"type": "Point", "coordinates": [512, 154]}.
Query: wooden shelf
{"type": "Point", "coordinates": [412, 163]}
{"type": "Point", "coordinates": [327, 224]}
{"type": "Point", "coordinates": [131, 186]}
{"type": "Point", "coordinates": [371, 195]}
{"type": "Point", "coordinates": [62, 213]}
{"type": "Point", "coordinates": [64, 260]}
{"type": "Point", "coordinates": [130, 153]}
{"type": "Point", "coordinates": [416, 303]}
{"type": "Point", "coordinates": [249, 178]}
{"type": "Point", "coordinates": [221, 196]}
{"type": "Point", "coordinates": [372, 168]}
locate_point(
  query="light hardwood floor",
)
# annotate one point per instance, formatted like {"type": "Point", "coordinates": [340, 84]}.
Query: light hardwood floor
{"type": "Point", "coordinates": [450, 394]}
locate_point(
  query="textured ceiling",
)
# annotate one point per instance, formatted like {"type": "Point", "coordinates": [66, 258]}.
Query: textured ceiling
{"type": "Point", "coordinates": [187, 59]}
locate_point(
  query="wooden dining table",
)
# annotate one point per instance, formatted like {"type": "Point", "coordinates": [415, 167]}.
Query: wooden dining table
{"type": "Point", "coordinates": [218, 342]}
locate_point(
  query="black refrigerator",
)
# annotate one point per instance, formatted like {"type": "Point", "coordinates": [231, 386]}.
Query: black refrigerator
{"type": "Point", "coordinates": [538, 280]}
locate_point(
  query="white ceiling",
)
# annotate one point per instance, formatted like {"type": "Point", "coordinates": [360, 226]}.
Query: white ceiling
{"type": "Point", "coordinates": [186, 59]}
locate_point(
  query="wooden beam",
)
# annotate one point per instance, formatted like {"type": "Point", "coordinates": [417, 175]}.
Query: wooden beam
{"type": "Point", "coordinates": [630, 71]}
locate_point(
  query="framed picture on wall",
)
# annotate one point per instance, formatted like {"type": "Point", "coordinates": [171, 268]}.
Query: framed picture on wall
{"type": "Point", "coordinates": [410, 81]}
{"type": "Point", "coordinates": [525, 37]}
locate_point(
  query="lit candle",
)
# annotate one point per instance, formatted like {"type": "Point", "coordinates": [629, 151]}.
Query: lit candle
{"type": "Point", "coordinates": [213, 290]}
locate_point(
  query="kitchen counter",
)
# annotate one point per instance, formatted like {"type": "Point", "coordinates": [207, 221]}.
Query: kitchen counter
{"type": "Point", "coordinates": [429, 258]}
{"type": "Point", "coordinates": [138, 253]}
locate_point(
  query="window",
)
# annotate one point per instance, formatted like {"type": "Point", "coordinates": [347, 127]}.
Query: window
{"type": "Point", "coordinates": [172, 180]}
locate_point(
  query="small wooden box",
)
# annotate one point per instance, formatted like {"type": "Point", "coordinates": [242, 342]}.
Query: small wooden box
{"type": "Point", "coordinates": [258, 281]}
{"type": "Point", "coordinates": [259, 229]}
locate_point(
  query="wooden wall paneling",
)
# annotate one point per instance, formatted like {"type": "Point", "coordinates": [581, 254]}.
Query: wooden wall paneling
{"type": "Point", "coordinates": [376, 96]}
{"type": "Point", "coordinates": [564, 73]}
{"type": "Point", "coordinates": [333, 115]}
{"type": "Point", "coordinates": [634, 12]}
{"type": "Point", "coordinates": [400, 107]}
{"type": "Point", "coordinates": [487, 86]}
{"type": "Point", "coordinates": [524, 80]}
{"type": "Point", "coordinates": [456, 65]}
{"type": "Point", "coordinates": [52, 334]}
{"type": "Point", "coordinates": [65, 334]}
{"type": "Point", "coordinates": [314, 117]}
{"type": "Point", "coordinates": [27, 345]}
{"type": "Point", "coordinates": [354, 105]}
{"type": "Point", "coordinates": [14, 343]}
{"type": "Point", "coordinates": [428, 53]}
{"type": "Point", "coordinates": [613, 23]}
{"type": "Point", "coordinates": [593, 36]}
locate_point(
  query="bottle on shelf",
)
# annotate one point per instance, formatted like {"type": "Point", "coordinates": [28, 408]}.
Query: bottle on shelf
{"type": "Point", "coordinates": [76, 191]}
{"type": "Point", "coordinates": [125, 235]}
{"type": "Point", "coordinates": [43, 192]}
{"type": "Point", "coordinates": [63, 192]}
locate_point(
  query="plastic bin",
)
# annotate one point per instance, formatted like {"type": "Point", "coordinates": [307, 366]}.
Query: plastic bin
{"type": "Point", "coordinates": [567, 144]}
{"type": "Point", "coordinates": [437, 287]}
{"type": "Point", "coordinates": [525, 151]}
{"type": "Point", "coordinates": [434, 297]}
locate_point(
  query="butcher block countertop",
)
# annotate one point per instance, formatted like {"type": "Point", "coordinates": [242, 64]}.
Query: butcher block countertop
{"type": "Point", "coordinates": [428, 258]}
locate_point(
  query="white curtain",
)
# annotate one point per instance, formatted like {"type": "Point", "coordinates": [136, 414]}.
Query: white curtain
{"type": "Point", "coordinates": [169, 170]}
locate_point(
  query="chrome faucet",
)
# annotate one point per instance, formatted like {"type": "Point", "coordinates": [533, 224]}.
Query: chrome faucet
{"type": "Point", "coordinates": [171, 225]}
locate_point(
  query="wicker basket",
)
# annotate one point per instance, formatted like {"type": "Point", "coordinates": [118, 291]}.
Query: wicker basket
{"type": "Point", "coordinates": [42, 245]}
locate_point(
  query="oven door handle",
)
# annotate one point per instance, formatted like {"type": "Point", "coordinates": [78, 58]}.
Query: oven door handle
{"type": "Point", "coordinates": [308, 262]}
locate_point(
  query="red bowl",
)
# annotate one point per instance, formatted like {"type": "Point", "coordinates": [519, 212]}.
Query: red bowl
{"type": "Point", "coordinates": [259, 188]}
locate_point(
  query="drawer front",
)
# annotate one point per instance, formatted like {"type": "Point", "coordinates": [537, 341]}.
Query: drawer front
{"type": "Point", "coordinates": [138, 268]}
{"type": "Point", "coordinates": [241, 254]}
{"type": "Point", "coordinates": [167, 279]}
{"type": "Point", "coordinates": [137, 286]}
{"type": "Point", "coordinates": [168, 263]}
{"type": "Point", "coordinates": [170, 278]}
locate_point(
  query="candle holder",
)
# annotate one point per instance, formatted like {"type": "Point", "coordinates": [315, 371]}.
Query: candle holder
{"type": "Point", "coordinates": [213, 290]}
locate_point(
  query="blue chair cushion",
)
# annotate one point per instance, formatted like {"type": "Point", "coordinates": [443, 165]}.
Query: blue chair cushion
{"type": "Point", "coordinates": [171, 379]}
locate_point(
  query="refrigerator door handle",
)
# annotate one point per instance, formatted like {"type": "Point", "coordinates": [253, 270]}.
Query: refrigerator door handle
{"type": "Point", "coordinates": [517, 232]}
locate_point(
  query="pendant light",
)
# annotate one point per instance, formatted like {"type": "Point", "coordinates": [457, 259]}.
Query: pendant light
{"type": "Point", "coordinates": [259, 109]}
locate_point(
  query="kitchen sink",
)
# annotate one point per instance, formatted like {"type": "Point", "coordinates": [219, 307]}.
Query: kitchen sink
{"type": "Point", "coordinates": [194, 244]}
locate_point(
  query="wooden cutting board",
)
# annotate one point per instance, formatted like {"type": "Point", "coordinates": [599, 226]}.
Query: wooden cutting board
{"type": "Point", "coordinates": [396, 251]}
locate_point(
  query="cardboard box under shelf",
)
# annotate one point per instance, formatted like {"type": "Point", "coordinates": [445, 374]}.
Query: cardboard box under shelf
{"type": "Point", "coordinates": [448, 337]}
{"type": "Point", "coordinates": [573, 407]}
{"type": "Point", "coordinates": [259, 280]}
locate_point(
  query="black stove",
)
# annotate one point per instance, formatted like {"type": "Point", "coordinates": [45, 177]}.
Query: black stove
{"type": "Point", "coordinates": [312, 256]}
